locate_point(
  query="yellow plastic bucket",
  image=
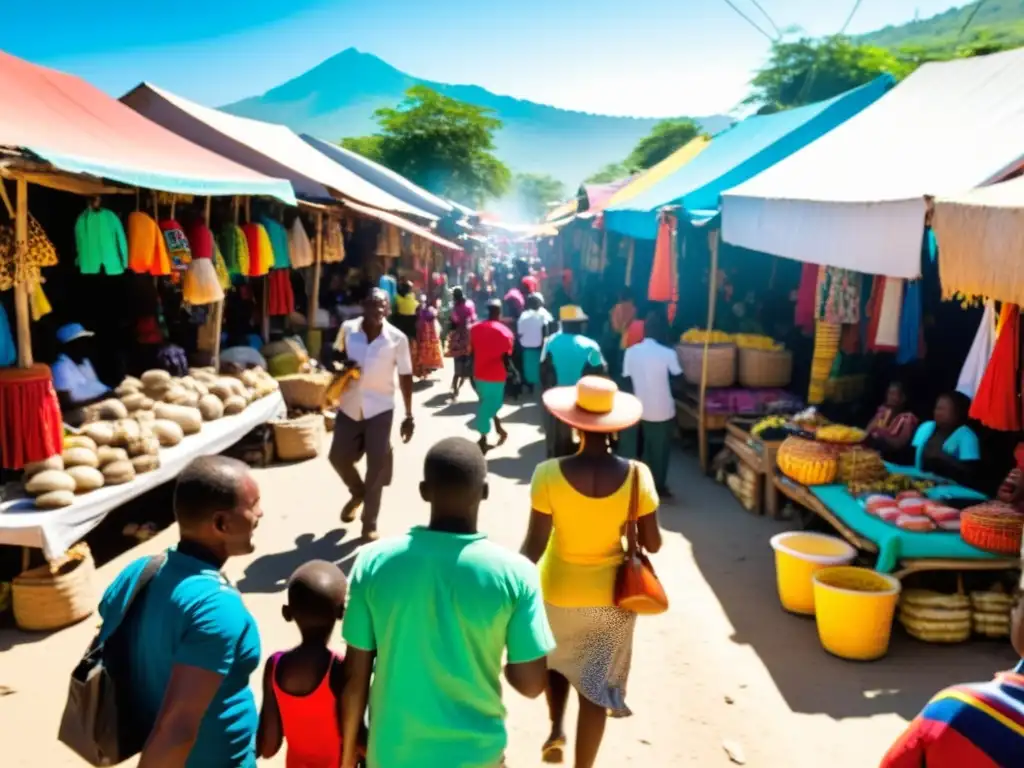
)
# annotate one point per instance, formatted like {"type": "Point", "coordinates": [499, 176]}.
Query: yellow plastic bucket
{"type": "Point", "coordinates": [798, 554]}
{"type": "Point", "coordinates": [854, 613]}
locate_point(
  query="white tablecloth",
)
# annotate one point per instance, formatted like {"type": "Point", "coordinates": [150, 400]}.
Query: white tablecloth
{"type": "Point", "coordinates": [54, 531]}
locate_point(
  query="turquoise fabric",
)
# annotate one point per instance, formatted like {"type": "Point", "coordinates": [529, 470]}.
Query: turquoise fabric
{"type": "Point", "coordinates": [441, 610]}
{"type": "Point", "coordinates": [101, 243]}
{"type": "Point", "coordinates": [962, 444]}
{"type": "Point", "coordinates": [737, 154]}
{"type": "Point", "coordinates": [278, 242]}
{"type": "Point", "coordinates": [895, 544]}
{"type": "Point", "coordinates": [8, 352]}
{"type": "Point", "coordinates": [570, 355]}
{"type": "Point", "coordinates": [192, 615]}
{"type": "Point", "coordinates": [492, 395]}
{"type": "Point", "coordinates": [531, 366]}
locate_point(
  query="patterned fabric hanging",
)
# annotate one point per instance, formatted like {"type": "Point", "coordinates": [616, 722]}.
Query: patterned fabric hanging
{"type": "Point", "coordinates": [40, 253]}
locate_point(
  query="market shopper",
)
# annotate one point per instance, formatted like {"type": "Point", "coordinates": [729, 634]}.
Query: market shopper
{"type": "Point", "coordinates": [492, 344]}
{"type": "Point", "coordinates": [893, 426]}
{"type": "Point", "coordinates": [366, 412]}
{"type": "Point", "coordinates": [566, 357]}
{"type": "Point", "coordinates": [579, 507]}
{"type": "Point", "coordinates": [429, 618]}
{"type": "Point", "coordinates": [193, 643]}
{"type": "Point", "coordinates": [533, 327]}
{"type": "Point", "coordinates": [649, 368]}
{"type": "Point", "coordinates": [461, 318]}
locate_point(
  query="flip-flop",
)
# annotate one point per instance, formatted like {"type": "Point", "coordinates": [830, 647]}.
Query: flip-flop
{"type": "Point", "coordinates": [348, 512]}
{"type": "Point", "coordinates": [553, 751]}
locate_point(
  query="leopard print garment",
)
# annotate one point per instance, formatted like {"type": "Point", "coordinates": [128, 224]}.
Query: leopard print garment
{"type": "Point", "coordinates": [41, 253]}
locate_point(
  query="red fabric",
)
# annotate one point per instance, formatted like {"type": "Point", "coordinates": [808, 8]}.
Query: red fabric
{"type": "Point", "coordinates": [491, 341]}
{"type": "Point", "coordinates": [661, 286]}
{"type": "Point", "coordinates": [530, 285]}
{"type": "Point", "coordinates": [200, 240]}
{"type": "Point", "coordinates": [252, 239]}
{"type": "Point", "coordinates": [805, 295]}
{"type": "Point", "coordinates": [281, 300]}
{"type": "Point", "coordinates": [996, 404]}
{"type": "Point", "coordinates": [309, 723]}
{"type": "Point", "coordinates": [147, 330]}
{"type": "Point", "coordinates": [634, 333]}
{"type": "Point", "coordinates": [935, 745]}
{"type": "Point", "coordinates": [31, 425]}
{"type": "Point", "coordinates": [62, 114]}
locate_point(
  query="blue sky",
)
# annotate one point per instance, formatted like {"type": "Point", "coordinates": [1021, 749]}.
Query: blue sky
{"type": "Point", "coordinates": [625, 57]}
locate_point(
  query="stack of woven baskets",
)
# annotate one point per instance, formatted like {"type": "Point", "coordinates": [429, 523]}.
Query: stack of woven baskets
{"type": "Point", "coordinates": [934, 617]}
{"type": "Point", "coordinates": [56, 594]}
{"type": "Point", "coordinates": [721, 361]}
{"type": "Point", "coordinates": [991, 617]}
{"type": "Point", "coordinates": [807, 462]}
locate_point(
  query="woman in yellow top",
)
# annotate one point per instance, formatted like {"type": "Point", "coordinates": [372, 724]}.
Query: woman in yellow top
{"type": "Point", "coordinates": [404, 316]}
{"type": "Point", "coordinates": [580, 505]}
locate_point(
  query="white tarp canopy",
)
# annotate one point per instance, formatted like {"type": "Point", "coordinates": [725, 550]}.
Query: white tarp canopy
{"type": "Point", "coordinates": [262, 146]}
{"type": "Point", "coordinates": [855, 198]}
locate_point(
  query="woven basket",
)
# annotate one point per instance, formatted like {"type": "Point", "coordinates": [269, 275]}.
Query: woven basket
{"type": "Point", "coordinates": [298, 439]}
{"type": "Point", "coordinates": [765, 367]}
{"type": "Point", "coordinates": [305, 390]}
{"type": "Point", "coordinates": [721, 363]}
{"type": "Point", "coordinates": [807, 462]}
{"type": "Point", "coordinates": [992, 527]}
{"type": "Point", "coordinates": [43, 600]}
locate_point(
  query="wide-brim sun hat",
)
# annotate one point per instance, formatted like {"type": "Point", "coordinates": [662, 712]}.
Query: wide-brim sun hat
{"type": "Point", "coordinates": [595, 404]}
{"type": "Point", "coordinates": [570, 313]}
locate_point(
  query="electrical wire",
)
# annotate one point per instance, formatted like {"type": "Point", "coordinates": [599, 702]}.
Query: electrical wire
{"type": "Point", "coordinates": [749, 20]}
{"type": "Point", "coordinates": [778, 32]}
{"type": "Point", "coordinates": [853, 12]}
{"type": "Point", "coordinates": [967, 22]}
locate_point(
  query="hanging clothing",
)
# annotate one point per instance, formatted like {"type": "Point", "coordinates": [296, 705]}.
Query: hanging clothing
{"type": "Point", "coordinates": [299, 248]}
{"type": "Point", "coordinates": [200, 285]}
{"type": "Point", "coordinates": [41, 253]}
{"type": "Point", "coordinates": [38, 303]}
{"type": "Point", "coordinates": [147, 249]}
{"type": "Point", "coordinates": [223, 276]}
{"type": "Point", "coordinates": [177, 244]}
{"type": "Point", "coordinates": [838, 296]}
{"type": "Point", "coordinates": [278, 242]}
{"type": "Point", "coordinates": [978, 357]}
{"type": "Point", "coordinates": [261, 252]}
{"type": "Point", "coordinates": [885, 309]}
{"type": "Point", "coordinates": [101, 243]}
{"type": "Point", "coordinates": [389, 241]}
{"type": "Point", "coordinates": [996, 404]}
{"type": "Point", "coordinates": [661, 286]}
{"type": "Point", "coordinates": [805, 295]}
{"type": "Point", "coordinates": [910, 337]}
{"type": "Point", "coordinates": [281, 301]}
{"type": "Point", "coordinates": [8, 352]}
{"type": "Point", "coordinates": [334, 243]}
{"type": "Point", "coordinates": [235, 249]}
{"type": "Point", "coordinates": [826, 349]}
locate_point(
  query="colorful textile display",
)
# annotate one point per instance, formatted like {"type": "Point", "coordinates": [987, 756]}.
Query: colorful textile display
{"type": "Point", "coordinates": [41, 253]}
{"type": "Point", "coordinates": [38, 303]}
{"type": "Point", "coordinates": [911, 338]}
{"type": "Point", "coordinates": [147, 248]}
{"type": "Point", "coordinates": [278, 242]}
{"type": "Point", "coordinates": [884, 312]}
{"type": "Point", "coordinates": [31, 427]}
{"type": "Point", "coordinates": [334, 242]}
{"type": "Point", "coordinates": [984, 343]}
{"type": "Point", "coordinates": [389, 241]}
{"type": "Point", "coordinates": [299, 248]}
{"type": "Point", "coordinates": [261, 252]}
{"type": "Point", "coordinates": [101, 242]}
{"type": "Point", "coordinates": [223, 276]}
{"type": "Point", "coordinates": [838, 296]}
{"type": "Point", "coordinates": [826, 347]}
{"type": "Point", "coordinates": [235, 249]}
{"type": "Point", "coordinates": [8, 352]}
{"type": "Point", "coordinates": [282, 299]}
{"type": "Point", "coordinates": [177, 244]}
{"type": "Point", "coordinates": [805, 298]}
{"type": "Point", "coordinates": [996, 404]}
{"type": "Point", "coordinates": [200, 285]}
{"type": "Point", "coordinates": [664, 283]}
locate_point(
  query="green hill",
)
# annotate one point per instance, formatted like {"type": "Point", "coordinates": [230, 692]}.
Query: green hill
{"type": "Point", "coordinates": [996, 23]}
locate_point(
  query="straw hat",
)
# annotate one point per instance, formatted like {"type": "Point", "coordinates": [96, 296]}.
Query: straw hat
{"type": "Point", "coordinates": [593, 405]}
{"type": "Point", "coordinates": [571, 313]}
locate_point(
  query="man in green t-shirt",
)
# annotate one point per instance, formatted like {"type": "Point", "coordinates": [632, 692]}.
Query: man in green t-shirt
{"type": "Point", "coordinates": [436, 610]}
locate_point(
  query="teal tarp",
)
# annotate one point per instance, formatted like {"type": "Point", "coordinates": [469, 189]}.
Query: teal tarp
{"type": "Point", "coordinates": [737, 154]}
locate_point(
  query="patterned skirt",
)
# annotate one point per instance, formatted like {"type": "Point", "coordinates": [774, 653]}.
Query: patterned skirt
{"type": "Point", "coordinates": [594, 651]}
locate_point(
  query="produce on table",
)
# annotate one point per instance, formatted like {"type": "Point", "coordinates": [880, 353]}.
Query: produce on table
{"type": "Point", "coordinates": [807, 462]}
{"type": "Point", "coordinates": [86, 478]}
{"type": "Point", "coordinates": [118, 472]}
{"type": "Point", "coordinates": [757, 341]}
{"type": "Point", "coordinates": [701, 336]}
{"type": "Point", "coordinates": [769, 422]}
{"type": "Point", "coordinates": [49, 480]}
{"type": "Point", "coordinates": [911, 522]}
{"type": "Point", "coordinates": [841, 434]}
{"type": "Point", "coordinates": [892, 484]}
{"type": "Point", "coordinates": [861, 465]}
{"type": "Point", "coordinates": [55, 499]}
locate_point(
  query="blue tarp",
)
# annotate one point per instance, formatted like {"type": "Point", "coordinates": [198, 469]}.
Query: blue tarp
{"type": "Point", "coordinates": [737, 154]}
{"type": "Point", "coordinates": [381, 177]}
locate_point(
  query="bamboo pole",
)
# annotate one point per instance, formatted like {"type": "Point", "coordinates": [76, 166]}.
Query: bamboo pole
{"type": "Point", "coordinates": [314, 295]}
{"type": "Point", "coordinates": [20, 289]}
{"type": "Point", "coordinates": [712, 296]}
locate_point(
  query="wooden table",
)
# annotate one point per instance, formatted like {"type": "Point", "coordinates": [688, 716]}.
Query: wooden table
{"type": "Point", "coordinates": [688, 414]}
{"type": "Point", "coordinates": [759, 456]}
{"type": "Point", "coordinates": [802, 495]}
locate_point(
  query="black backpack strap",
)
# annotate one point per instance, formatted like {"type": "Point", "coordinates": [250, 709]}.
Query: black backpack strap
{"type": "Point", "coordinates": [149, 570]}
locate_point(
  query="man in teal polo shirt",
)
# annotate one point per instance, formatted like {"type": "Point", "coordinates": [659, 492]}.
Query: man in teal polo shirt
{"type": "Point", "coordinates": [436, 610]}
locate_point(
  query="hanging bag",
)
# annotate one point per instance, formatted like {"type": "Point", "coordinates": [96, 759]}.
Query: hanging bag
{"type": "Point", "coordinates": [98, 722]}
{"type": "Point", "coordinates": [637, 587]}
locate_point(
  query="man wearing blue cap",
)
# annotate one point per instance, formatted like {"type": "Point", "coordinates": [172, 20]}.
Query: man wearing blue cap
{"type": "Point", "coordinates": [74, 378]}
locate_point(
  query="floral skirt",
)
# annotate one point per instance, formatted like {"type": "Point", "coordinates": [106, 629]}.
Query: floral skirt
{"type": "Point", "coordinates": [427, 354]}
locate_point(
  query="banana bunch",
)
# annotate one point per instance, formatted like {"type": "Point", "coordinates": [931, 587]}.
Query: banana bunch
{"type": "Point", "coordinates": [891, 485]}
{"type": "Point", "coordinates": [757, 341]}
{"type": "Point", "coordinates": [700, 336]}
{"type": "Point", "coordinates": [769, 422]}
{"type": "Point", "coordinates": [934, 617]}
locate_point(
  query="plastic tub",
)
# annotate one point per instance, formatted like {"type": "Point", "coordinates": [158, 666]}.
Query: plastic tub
{"type": "Point", "coordinates": [854, 613]}
{"type": "Point", "coordinates": [798, 555]}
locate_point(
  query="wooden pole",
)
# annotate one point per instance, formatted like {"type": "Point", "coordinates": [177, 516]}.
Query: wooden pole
{"type": "Point", "coordinates": [20, 289]}
{"type": "Point", "coordinates": [712, 296]}
{"type": "Point", "coordinates": [218, 311]}
{"type": "Point", "coordinates": [314, 294]}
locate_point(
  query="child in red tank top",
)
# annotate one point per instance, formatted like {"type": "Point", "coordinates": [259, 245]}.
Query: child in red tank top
{"type": "Point", "coordinates": [302, 687]}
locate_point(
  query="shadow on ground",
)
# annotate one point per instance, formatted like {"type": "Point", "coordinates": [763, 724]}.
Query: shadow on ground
{"type": "Point", "coordinates": [519, 468]}
{"type": "Point", "coordinates": [731, 548]}
{"type": "Point", "coordinates": [269, 573]}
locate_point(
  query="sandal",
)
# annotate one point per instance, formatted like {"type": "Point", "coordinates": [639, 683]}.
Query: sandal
{"type": "Point", "coordinates": [553, 751]}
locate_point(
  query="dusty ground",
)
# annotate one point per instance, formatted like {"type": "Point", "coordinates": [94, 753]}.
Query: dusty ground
{"type": "Point", "coordinates": [726, 664]}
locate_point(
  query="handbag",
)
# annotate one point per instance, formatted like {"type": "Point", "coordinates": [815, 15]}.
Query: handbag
{"type": "Point", "coordinates": [637, 587]}
{"type": "Point", "coordinates": [100, 723]}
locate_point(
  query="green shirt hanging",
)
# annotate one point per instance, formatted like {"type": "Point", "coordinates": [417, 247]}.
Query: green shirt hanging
{"type": "Point", "coordinates": [101, 244]}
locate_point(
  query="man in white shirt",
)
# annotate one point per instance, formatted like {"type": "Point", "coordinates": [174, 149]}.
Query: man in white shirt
{"type": "Point", "coordinates": [366, 412]}
{"type": "Point", "coordinates": [533, 327]}
{"type": "Point", "coordinates": [649, 366]}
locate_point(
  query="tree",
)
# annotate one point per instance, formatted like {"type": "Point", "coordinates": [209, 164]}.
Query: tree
{"type": "Point", "coordinates": [610, 172]}
{"type": "Point", "coordinates": [536, 191]}
{"type": "Point", "coordinates": [809, 70]}
{"type": "Point", "coordinates": [442, 144]}
{"type": "Point", "coordinates": [664, 139]}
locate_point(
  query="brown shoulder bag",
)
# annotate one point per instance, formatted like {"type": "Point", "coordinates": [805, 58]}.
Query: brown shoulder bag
{"type": "Point", "coordinates": [637, 587]}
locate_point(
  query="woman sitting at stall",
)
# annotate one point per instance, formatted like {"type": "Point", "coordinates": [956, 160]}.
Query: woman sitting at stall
{"type": "Point", "coordinates": [893, 426]}
{"type": "Point", "coordinates": [947, 446]}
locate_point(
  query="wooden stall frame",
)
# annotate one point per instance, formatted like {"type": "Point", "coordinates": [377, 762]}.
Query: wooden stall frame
{"type": "Point", "coordinates": [702, 433]}
{"type": "Point", "coordinates": [314, 294]}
